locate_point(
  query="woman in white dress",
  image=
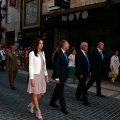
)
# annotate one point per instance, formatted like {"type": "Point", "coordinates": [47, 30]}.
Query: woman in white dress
{"type": "Point", "coordinates": [71, 65]}
{"type": "Point", "coordinates": [114, 64]}
{"type": "Point", "coordinates": [38, 76]}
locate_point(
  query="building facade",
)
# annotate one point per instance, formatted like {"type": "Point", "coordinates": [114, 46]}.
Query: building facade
{"type": "Point", "coordinates": [85, 20]}
{"type": "Point", "coordinates": [11, 22]}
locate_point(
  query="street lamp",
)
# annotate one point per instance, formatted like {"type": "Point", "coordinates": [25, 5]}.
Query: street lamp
{"type": "Point", "coordinates": [2, 15]}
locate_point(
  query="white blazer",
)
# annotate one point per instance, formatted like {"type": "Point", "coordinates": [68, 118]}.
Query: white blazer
{"type": "Point", "coordinates": [35, 64]}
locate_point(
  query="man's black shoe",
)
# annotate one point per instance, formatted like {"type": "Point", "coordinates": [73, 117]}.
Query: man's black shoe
{"type": "Point", "coordinates": [102, 96]}
{"type": "Point", "coordinates": [54, 105]}
{"type": "Point", "coordinates": [65, 112]}
{"type": "Point", "coordinates": [13, 88]}
{"type": "Point", "coordinates": [86, 103]}
{"type": "Point", "coordinates": [79, 99]}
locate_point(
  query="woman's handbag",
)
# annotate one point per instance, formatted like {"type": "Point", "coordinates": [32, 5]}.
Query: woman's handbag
{"type": "Point", "coordinates": [112, 75]}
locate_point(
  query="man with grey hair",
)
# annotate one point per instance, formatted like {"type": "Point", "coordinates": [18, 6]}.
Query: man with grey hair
{"type": "Point", "coordinates": [60, 75]}
{"type": "Point", "coordinates": [82, 65]}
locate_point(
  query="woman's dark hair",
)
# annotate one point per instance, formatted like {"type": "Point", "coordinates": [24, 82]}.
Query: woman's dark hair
{"type": "Point", "coordinates": [72, 49]}
{"type": "Point", "coordinates": [36, 44]}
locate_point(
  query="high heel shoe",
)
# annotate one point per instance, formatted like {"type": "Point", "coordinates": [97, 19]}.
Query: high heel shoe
{"type": "Point", "coordinates": [31, 106]}
{"type": "Point", "coordinates": [38, 115]}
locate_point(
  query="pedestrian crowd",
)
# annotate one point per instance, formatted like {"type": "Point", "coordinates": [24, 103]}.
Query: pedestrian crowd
{"type": "Point", "coordinates": [77, 64]}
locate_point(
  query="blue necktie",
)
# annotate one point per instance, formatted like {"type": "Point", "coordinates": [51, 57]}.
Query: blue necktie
{"type": "Point", "coordinates": [101, 55]}
{"type": "Point", "coordinates": [66, 57]}
{"type": "Point", "coordinates": [87, 61]}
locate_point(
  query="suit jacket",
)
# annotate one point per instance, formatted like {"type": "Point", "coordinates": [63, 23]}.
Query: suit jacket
{"type": "Point", "coordinates": [97, 64]}
{"type": "Point", "coordinates": [11, 61]}
{"type": "Point", "coordinates": [35, 64]}
{"type": "Point", "coordinates": [60, 67]}
{"type": "Point", "coordinates": [81, 64]}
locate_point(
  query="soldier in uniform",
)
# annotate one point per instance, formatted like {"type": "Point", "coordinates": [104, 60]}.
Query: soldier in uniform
{"type": "Point", "coordinates": [12, 61]}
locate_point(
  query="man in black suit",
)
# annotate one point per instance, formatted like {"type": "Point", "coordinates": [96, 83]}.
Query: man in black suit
{"type": "Point", "coordinates": [97, 65]}
{"type": "Point", "coordinates": [82, 65]}
{"type": "Point", "coordinates": [60, 75]}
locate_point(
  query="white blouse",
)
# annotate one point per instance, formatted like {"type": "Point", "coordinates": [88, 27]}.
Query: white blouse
{"type": "Point", "coordinates": [35, 64]}
{"type": "Point", "coordinates": [114, 61]}
{"type": "Point", "coordinates": [71, 58]}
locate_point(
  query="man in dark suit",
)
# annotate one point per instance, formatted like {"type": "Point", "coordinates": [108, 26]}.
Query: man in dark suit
{"type": "Point", "coordinates": [82, 65]}
{"type": "Point", "coordinates": [12, 61]}
{"type": "Point", "coordinates": [60, 75]}
{"type": "Point", "coordinates": [97, 64]}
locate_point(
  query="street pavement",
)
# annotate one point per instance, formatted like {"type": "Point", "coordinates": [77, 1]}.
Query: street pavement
{"type": "Point", "coordinates": [13, 103]}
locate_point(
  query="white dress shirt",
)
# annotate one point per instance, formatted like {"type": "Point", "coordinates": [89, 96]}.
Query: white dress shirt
{"type": "Point", "coordinates": [2, 53]}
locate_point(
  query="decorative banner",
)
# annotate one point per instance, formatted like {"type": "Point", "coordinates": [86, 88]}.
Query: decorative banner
{"type": "Point", "coordinates": [13, 3]}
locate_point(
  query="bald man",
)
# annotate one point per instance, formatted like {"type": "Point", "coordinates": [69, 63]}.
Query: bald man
{"type": "Point", "coordinates": [97, 65]}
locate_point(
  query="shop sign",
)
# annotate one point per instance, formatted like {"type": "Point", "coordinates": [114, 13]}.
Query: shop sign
{"type": "Point", "coordinates": [74, 16]}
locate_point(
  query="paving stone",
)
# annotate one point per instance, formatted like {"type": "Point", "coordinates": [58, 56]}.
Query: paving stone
{"type": "Point", "coordinates": [13, 104]}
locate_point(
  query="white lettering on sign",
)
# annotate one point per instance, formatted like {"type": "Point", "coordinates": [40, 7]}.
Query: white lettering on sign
{"type": "Point", "coordinates": [64, 18]}
{"type": "Point", "coordinates": [77, 15]}
{"type": "Point", "coordinates": [84, 14]}
{"type": "Point", "coordinates": [71, 17]}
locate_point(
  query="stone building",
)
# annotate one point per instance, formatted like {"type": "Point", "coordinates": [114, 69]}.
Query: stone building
{"type": "Point", "coordinates": [84, 20]}
{"type": "Point", "coordinates": [11, 22]}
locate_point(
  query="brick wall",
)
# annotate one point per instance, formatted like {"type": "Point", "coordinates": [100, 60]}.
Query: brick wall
{"type": "Point", "coordinates": [78, 3]}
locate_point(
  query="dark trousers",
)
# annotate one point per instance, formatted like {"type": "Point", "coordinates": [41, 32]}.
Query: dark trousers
{"type": "Point", "coordinates": [0, 66]}
{"type": "Point", "coordinates": [3, 64]}
{"type": "Point", "coordinates": [81, 90]}
{"type": "Point", "coordinates": [59, 94]}
{"type": "Point", "coordinates": [12, 76]}
{"type": "Point", "coordinates": [28, 78]}
{"type": "Point", "coordinates": [98, 83]}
